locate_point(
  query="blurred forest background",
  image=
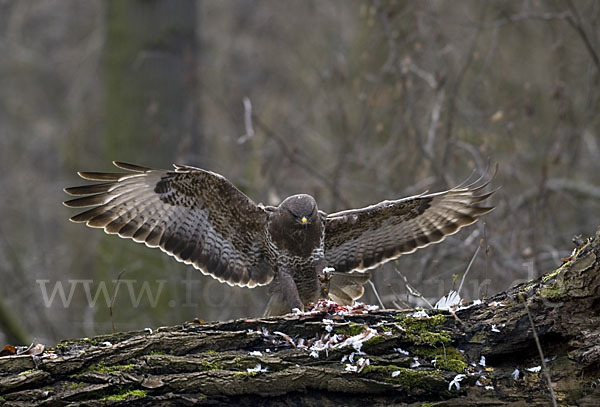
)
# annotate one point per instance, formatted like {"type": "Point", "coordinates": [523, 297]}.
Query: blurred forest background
{"type": "Point", "coordinates": [351, 101]}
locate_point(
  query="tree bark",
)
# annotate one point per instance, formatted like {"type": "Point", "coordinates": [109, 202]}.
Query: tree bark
{"type": "Point", "coordinates": [467, 357]}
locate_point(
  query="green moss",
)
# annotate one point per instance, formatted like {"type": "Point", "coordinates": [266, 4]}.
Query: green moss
{"type": "Point", "coordinates": [102, 368]}
{"type": "Point", "coordinates": [528, 287]}
{"type": "Point", "coordinates": [76, 385]}
{"type": "Point", "coordinates": [237, 362]}
{"type": "Point", "coordinates": [374, 341]}
{"type": "Point", "coordinates": [351, 329]}
{"type": "Point", "coordinates": [406, 377]}
{"type": "Point", "coordinates": [207, 365]}
{"type": "Point", "coordinates": [555, 290]}
{"type": "Point", "coordinates": [244, 374]}
{"type": "Point", "coordinates": [157, 353]}
{"type": "Point", "coordinates": [129, 394]}
{"type": "Point", "coordinates": [448, 359]}
{"type": "Point", "coordinates": [420, 331]}
{"type": "Point", "coordinates": [211, 352]}
{"type": "Point", "coordinates": [24, 372]}
{"type": "Point", "coordinates": [64, 345]}
{"type": "Point", "coordinates": [554, 273]}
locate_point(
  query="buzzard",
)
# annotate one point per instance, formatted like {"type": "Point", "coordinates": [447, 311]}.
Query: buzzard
{"type": "Point", "coordinates": [201, 218]}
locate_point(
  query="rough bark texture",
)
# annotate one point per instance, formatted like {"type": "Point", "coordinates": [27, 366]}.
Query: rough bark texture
{"type": "Point", "coordinates": [217, 363]}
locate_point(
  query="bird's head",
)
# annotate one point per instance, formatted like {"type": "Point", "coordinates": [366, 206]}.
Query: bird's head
{"type": "Point", "coordinates": [301, 208]}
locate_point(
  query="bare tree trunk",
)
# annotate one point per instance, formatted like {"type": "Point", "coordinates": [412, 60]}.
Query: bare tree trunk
{"type": "Point", "coordinates": [150, 68]}
{"type": "Point", "coordinates": [483, 354]}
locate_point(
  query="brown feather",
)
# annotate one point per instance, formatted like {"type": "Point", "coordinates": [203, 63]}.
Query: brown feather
{"type": "Point", "coordinates": [176, 210]}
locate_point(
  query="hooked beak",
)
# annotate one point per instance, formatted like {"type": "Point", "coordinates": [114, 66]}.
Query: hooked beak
{"type": "Point", "coordinates": [304, 220]}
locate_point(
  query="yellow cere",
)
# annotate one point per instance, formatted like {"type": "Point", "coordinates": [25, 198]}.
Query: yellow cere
{"type": "Point", "coordinates": [304, 220]}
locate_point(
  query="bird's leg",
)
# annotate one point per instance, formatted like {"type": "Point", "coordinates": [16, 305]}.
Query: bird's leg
{"type": "Point", "coordinates": [325, 277]}
{"type": "Point", "coordinates": [290, 291]}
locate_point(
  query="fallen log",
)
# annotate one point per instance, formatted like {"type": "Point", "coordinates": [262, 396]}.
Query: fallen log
{"type": "Point", "coordinates": [479, 354]}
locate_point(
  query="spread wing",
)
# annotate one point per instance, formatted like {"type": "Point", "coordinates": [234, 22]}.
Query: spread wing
{"type": "Point", "coordinates": [361, 239]}
{"type": "Point", "coordinates": [194, 215]}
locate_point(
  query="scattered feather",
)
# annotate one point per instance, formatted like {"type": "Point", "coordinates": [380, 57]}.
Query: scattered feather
{"type": "Point", "coordinates": [534, 369]}
{"type": "Point", "coordinates": [456, 381]}
{"type": "Point", "coordinates": [286, 337]}
{"type": "Point", "coordinates": [448, 301]}
{"type": "Point", "coordinates": [257, 368]}
{"type": "Point", "coordinates": [255, 353]}
{"type": "Point", "coordinates": [356, 341]}
{"type": "Point", "coordinates": [362, 363]}
{"type": "Point", "coordinates": [515, 374]}
{"type": "Point", "coordinates": [482, 361]}
{"type": "Point", "coordinates": [419, 314]}
{"type": "Point", "coordinates": [494, 329]}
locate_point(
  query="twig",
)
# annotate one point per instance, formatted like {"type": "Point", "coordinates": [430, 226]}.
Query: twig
{"type": "Point", "coordinates": [539, 348]}
{"type": "Point", "coordinates": [487, 259]}
{"type": "Point", "coordinates": [462, 280]}
{"type": "Point", "coordinates": [292, 155]}
{"type": "Point", "coordinates": [411, 290]}
{"type": "Point", "coordinates": [575, 21]}
{"type": "Point", "coordinates": [376, 294]}
{"type": "Point", "coordinates": [247, 121]}
{"type": "Point", "coordinates": [398, 302]}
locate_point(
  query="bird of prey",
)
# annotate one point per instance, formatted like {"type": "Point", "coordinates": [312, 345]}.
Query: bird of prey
{"type": "Point", "coordinates": [201, 218]}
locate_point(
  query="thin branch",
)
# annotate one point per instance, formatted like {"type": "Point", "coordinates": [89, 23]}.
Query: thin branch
{"type": "Point", "coordinates": [247, 121]}
{"type": "Point", "coordinates": [411, 290]}
{"type": "Point", "coordinates": [584, 189]}
{"type": "Point", "coordinates": [575, 21]}
{"type": "Point", "coordinates": [376, 294]}
{"type": "Point", "coordinates": [292, 155]}
{"type": "Point", "coordinates": [539, 348]}
{"type": "Point", "coordinates": [468, 269]}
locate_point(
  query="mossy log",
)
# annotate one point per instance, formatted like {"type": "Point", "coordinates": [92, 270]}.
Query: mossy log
{"type": "Point", "coordinates": [482, 354]}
